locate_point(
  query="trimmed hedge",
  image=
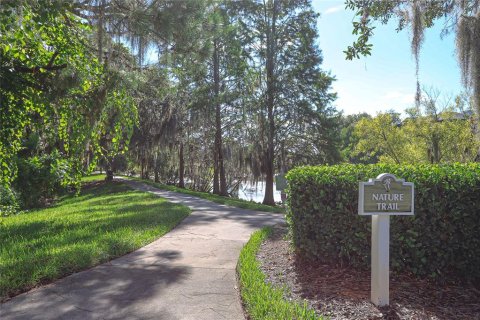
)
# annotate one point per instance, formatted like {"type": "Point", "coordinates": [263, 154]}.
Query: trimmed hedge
{"type": "Point", "coordinates": [442, 239]}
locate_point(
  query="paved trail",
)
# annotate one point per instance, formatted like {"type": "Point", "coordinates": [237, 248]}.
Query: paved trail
{"type": "Point", "coordinates": [187, 274]}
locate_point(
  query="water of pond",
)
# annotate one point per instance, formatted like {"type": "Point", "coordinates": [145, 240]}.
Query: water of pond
{"type": "Point", "coordinates": [252, 191]}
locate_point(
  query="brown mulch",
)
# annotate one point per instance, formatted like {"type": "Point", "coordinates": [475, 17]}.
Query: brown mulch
{"type": "Point", "coordinates": [344, 293]}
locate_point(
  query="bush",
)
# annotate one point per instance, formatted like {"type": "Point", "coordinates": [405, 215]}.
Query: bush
{"type": "Point", "coordinates": [441, 240]}
{"type": "Point", "coordinates": [40, 179]}
{"type": "Point", "coordinates": [8, 201]}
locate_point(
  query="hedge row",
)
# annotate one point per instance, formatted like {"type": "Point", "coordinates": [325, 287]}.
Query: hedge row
{"type": "Point", "coordinates": [441, 240]}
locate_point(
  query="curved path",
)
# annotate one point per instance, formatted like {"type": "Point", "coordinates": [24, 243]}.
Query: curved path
{"type": "Point", "coordinates": [187, 274]}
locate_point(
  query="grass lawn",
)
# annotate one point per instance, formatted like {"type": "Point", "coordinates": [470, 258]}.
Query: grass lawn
{"type": "Point", "coordinates": [94, 177]}
{"type": "Point", "coordinates": [105, 221]}
{"type": "Point", "coordinates": [261, 299]}
{"type": "Point", "coordinates": [239, 203]}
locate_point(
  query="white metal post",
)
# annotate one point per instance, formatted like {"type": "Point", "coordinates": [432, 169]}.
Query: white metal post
{"type": "Point", "coordinates": [380, 259]}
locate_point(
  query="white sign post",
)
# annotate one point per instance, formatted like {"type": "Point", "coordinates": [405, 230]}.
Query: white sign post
{"type": "Point", "coordinates": [382, 197]}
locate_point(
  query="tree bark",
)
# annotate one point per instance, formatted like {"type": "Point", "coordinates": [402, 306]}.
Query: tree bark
{"type": "Point", "coordinates": [436, 149]}
{"type": "Point", "coordinates": [216, 174]}
{"type": "Point", "coordinates": [109, 173]}
{"type": "Point", "coordinates": [155, 168]}
{"type": "Point", "coordinates": [270, 68]}
{"type": "Point", "coordinates": [100, 31]}
{"type": "Point", "coordinates": [220, 169]}
{"type": "Point", "coordinates": [216, 184]}
{"type": "Point", "coordinates": [181, 167]}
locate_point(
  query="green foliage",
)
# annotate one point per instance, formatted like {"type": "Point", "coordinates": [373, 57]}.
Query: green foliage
{"type": "Point", "coordinates": [8, 201]}
{"type": "Point", "coordinates": [349, 140]}
{"type": "Point", "coordinates": [421, 138]}
{"type": "Point", "coordinates": [441, 240]}
{"type": "Point", "coordinates": [40, 179]}
{"type": "Point", "coordinates": [408, 13]}
{"type": "Point", "coordinates": [39, 41]}
{"type": "Point", "coordinates": [292, 121]}
{"type": "Point", "coordinates": [102, 223]}
{"type": "Point", "coordinates": [262, 300]}
{"type": "Point", "coordinates": [115, 126]}
{"type": "Point", "coordinates": [55, 95]}
{"type": "Point", "coordinates": [381, 136]}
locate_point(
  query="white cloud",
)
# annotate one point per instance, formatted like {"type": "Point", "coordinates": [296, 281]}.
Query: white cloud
{"type": "Point", "coordinates": [365, 99]}
{"type": "Point", "coordinates": [334, 9]}
{"type": "Point", "coordinates": [399, 97]}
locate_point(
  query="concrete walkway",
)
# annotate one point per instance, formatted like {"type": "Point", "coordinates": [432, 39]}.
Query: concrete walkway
{"type": "Point", "coordinates": [187, 274]}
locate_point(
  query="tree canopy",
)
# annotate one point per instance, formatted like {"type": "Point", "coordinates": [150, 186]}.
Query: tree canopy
{"type": "Point", "coordinates": [204, 94]}
{"type": "Point", "coordinates": [435, 132]}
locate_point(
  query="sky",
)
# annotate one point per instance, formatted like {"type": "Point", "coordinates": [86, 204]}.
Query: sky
{"type": "Point", "coordinates": [386, 79]}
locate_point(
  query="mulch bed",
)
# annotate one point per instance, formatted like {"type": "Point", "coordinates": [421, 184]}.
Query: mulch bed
{"type": "Point", "coordinates": [344, 293]}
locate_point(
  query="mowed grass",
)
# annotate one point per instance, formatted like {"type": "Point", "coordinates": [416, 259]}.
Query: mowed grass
{"type": "Point", "coordinates": [233, 202]}
{"type": "Point", "coordinates": [94, 177]}
{"type": "Point", "coordinates": [105, 221]}
{"type": "Point", "coordinates": [262, 300]}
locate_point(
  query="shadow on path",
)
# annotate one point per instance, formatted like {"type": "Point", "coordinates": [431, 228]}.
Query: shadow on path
{"type": "Point", "coordinates": [187, 274]}
{"type": "Point", "coordinates": [113, 291]}
{"type": "Point", "coordinates": [207, 212]}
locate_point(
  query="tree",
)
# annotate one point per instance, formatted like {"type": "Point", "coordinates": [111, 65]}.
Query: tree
{"type": "Point", "coordinates": [213, 77]}
{"type": "Point", "coordinates": [226, 70]}
{"type": "Point", "coordinates": [49, 81]}
{"type": "Point", "coordinates": [59, 104]}
{"type": "Point", "coordinates": [381, 137]}
{"type": "Point", "coordinates": [143, 24]}
{"type": "Point", "coordinates": [461, 17]}
{"type": "Point", "coordinates": [439, 131]}
{"type": "Point", "coordinates": [146, 26]}
{"type": "Point", "coordinates": [280, 39]}
{"type": "Point", "coordinates": [435, 132]}
{"type": "Point", "coordinates": [349, 140]}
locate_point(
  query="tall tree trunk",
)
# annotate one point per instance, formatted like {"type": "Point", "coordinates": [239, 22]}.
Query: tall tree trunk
{"type": "Point", "coordinates": [270, 66]}
{"type": "Point", "coordinates": [269, 157]}
{"type": "Point", "coordinates": [216, 171]}
{"type": "Point", "coordinates": [100, 31]}
{"type": "Point", "coordinates": [181, 167]}
{"type": "Point", "coordinates": [155, 167]}
{"type": "Point", "coordinates": [220, 173]}
{"type": "Point", "coordinates": [216, 184]}
{"type": "Point", "coordinates": [436, 149]}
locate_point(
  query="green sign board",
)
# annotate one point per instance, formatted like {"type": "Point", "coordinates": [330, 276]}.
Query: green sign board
{"type": "Point", "coordinates": [385, 195]}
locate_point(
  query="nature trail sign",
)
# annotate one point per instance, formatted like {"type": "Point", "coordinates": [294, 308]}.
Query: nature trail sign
{"type": "Point", "coordinates": [381, 198]}
{"type": "Point", "coordinates": [385, 195]}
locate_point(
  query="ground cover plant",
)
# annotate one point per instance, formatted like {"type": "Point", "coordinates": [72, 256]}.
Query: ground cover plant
{"type": "Point", "coordinates": [239, 203]}
{"type": "Point", "coordinates": [106, 220]}
{"type": "Point", "coordinates": [261, 299]}
{"type": "Point", "coordinates": [440, 241]}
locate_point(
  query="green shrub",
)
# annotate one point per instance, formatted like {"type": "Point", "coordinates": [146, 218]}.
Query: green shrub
{"type": "Point", "coordinates": [8, 201]}
{"type": "Point", "coordinates": [441, 240]}
{"type": "Point", "coordinates": [39, 179]}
